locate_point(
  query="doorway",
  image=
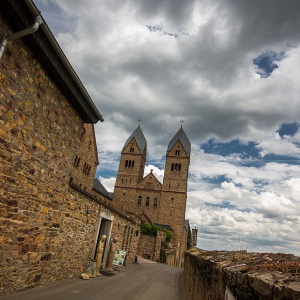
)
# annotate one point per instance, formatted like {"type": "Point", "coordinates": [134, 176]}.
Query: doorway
{"type": "Point", "coordinates": [104, 227]}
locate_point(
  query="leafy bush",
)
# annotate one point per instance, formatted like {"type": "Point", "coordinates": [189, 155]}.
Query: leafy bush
{"type": "Point", "coordinates": [148, 229]}
{"type": "Point", "coordinates": [168, 235]}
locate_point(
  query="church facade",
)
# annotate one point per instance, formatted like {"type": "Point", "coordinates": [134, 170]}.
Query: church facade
{"type": "Point", "coordinates": [146, 197]}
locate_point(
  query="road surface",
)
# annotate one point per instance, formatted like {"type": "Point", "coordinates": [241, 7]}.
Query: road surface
{"type": "Point", "coordinates": [143, 281]}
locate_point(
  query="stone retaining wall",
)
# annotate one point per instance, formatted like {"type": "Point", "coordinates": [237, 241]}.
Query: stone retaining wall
{"type": "Point", "coordinates": [245, 276]}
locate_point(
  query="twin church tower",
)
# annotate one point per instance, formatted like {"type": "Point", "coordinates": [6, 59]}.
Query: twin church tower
{"type": "Point", "coordinates": [146, 197]}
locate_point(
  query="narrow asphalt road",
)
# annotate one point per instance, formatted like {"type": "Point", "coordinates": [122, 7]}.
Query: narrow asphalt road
{"type": "Point", "coordinates": [143, 281]}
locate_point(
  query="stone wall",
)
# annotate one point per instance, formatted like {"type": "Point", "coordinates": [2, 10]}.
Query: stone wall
{"type": "Point", "coordinates": [49, 224]}
{"type": "Point", "coordinates": [147, 245]}
{"type": "Point", "coordinates": [252, 276]}
{"type": "Point", "coordinates": [86, 159]}
{"type": "Point", "coordinates": [152, 244]}
{"type": "Point", "coordinates": [171, 256]}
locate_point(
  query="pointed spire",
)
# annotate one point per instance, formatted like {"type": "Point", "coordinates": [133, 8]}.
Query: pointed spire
{"type": "Point", "coordinates": [139, 137]}
{"type": "Point", "coordinates": [182, 137]}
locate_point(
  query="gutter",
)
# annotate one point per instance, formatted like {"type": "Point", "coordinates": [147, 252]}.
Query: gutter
{"type": "Point", "coordinates": [21, 33]}
{"type": "Point", "coordinates": [44, 27]}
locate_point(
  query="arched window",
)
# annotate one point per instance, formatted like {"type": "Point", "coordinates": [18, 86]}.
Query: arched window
{"type": "Point", "coordinates": [155, 202]}
{"type": "Point", "coordinates": [177, 152]}
{"type": "Point", "coordinates": [139, 200]}
{"type": "Point", "coordinates": [147, 201]}
{"type": "Point", "coordinates": [176, 167]}
{"type": "Point", "coordinates": [132, 164]}
{"type": "Point", "coordinates": [179, 167]}
{"type": "Point", "coordinates": [131, 149]}
{"type": "Point", "coordinates": [126, 163]}
{"type": "Point", "coordinates": [172, 167]}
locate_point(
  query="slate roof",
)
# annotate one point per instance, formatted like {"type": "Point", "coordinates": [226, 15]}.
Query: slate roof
{"type": "Point", "coordinates": [165, 226]}
{"type": "Point", "coordinates": [182, 137]}
{"type": "Point", "coordinates": [139, 137]}
{"type": "Point", "coordinates": [186, 224]}
{"type": "Point", "coordinates": [98, 187]}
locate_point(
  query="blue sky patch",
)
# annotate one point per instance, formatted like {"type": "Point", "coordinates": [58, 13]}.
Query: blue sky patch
{"type": "Point", "coordinates": [243, 150]}
{"type": "Point", "coordinates": [217, 180]}
{"type": "Point", "coordinates": [266, 62]}
{"type": "Point", "coordinates": [288, 129]}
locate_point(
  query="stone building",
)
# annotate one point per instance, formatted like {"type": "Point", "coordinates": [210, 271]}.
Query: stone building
{"type": "Point", "coordinates": [194, 236]}
{"type": "Point", "coordinates": [52, 209]}
{"type": "Point", "coordinates": [145, 197]}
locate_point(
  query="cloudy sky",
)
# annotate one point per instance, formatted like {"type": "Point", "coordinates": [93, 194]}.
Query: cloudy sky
{"type": "Point", "coordinates": [230, 70]}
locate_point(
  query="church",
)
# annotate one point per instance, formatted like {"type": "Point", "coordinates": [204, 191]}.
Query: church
{"type": "Point", "coordinates": [163, 204]}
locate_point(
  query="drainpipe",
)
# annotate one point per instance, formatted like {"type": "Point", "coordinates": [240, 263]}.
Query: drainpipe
{"type": "Point", "coordinates": [19, 34]}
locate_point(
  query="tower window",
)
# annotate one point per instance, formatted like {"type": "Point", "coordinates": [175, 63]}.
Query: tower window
{"type": "Point", "coordinates": [175, 167]}
{"type": "Point", "coordinates": [155, 202]}
{"type": "Point", "coordinates": [147, 201]}
{"type": "Point", "coordinates": [129, 163]}
{"type": "Point", "coordinates": [177, 152]}
{"type": "Point", "coordinates": [131, 149]}
{"type": "Point", "coordinates": [139, 200]}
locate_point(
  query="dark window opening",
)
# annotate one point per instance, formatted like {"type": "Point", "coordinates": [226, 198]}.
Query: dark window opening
{"type": "Point", "coordinates": [155, 202]}
{"type": "Point", "coordinates": [129, 163]}
{"type": "Point", "coordinates": [176, 167]}
{"type": "Point", "coordinates": [147, 201]}
{"type": "Point", "coordinates": [131, 149]}
{"type": "Point", "coordinates": [139, 200]}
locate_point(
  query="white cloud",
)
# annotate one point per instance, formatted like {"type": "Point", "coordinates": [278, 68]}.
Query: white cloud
{"type": "Point", "coordinates": [208, 79]}
{"type": "Point", "coordinates": [108, 183]}
{"type": "Point", "coordinates": [159, 174]}
{"type": "Point", "coordinates": [274, 144]}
